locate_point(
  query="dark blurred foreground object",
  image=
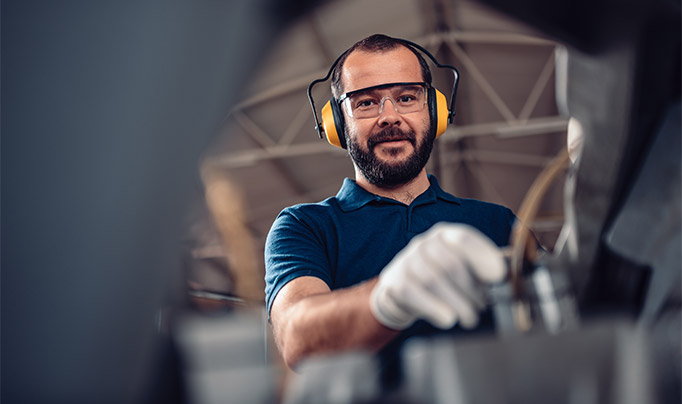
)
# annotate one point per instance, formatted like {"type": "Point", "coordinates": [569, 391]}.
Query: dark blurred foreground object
{"type": "Point", "coordinates": [106, 108]}
{"type": "Point", "coordinates": [603, 362]}
{"type": "Point", "coordinates": [225, 357]}
{"type": "Point", "coordinates": [622, 83]}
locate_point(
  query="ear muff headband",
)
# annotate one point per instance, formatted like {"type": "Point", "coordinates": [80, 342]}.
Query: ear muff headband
{"type": "Point", "coordinates": [332, 117]}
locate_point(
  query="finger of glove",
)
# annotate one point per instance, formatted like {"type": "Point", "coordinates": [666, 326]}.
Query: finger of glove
{"type": "Point", "coordinates": [464, 283]}
{"type": "Point", "coordinates": [481, 255]}
{"type": "Point", "coordinates": [452, 283]}
{"type": "Point", "coordinates": [392, 307]}
{"type": "Point", "coordinates": [465, 307]}
{"type": "Point", "coordinates": [387, 310]}
{"type": "Point", "coordinates": [430, 306]}
{"type": "Point", "coordinates": [411, 281]}
{"type": "Point", "coordinates": [446, 271]}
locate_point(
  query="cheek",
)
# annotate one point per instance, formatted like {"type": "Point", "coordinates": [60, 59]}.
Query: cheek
{"type": "Point", "coordinates": [426, 119]}
{"type": "Point", "coordinates": [355, 130]}
{"type": "Point", "coordinates": [421, 124]}
{"type": "Point", "coordinates": [426, 122]}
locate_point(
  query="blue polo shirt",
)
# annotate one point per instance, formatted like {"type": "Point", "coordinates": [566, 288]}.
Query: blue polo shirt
{"type": "Point", "coordinates": [350, 238]}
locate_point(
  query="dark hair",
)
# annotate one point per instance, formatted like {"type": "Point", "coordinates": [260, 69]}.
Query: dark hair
{"type": "Point", "coordinates": [375, 43]}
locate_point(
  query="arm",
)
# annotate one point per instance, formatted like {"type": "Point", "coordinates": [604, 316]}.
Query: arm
{"type": "Point", "coordinates": [309, 318]}
{"type": "Point", "coordinates": [439, 277]}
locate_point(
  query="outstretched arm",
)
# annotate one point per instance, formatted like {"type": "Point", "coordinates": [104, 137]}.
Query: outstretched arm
{"type": "Point", "coordinates": [308, 318]}
{"type": "Point", "coordinates": [439, 276]}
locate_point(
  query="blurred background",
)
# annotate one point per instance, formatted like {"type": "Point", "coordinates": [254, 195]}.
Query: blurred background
{"type": "Point", "coordinates": [147, 147]}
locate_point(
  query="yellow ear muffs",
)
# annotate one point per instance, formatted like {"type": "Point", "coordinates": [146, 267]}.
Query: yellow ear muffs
{"type": "Point", "coordinates": [332, 122]}
{"type": "Point", "coordinates": [438, 110]}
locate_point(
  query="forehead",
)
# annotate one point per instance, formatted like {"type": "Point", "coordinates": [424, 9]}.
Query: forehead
{"type": "Point", "coordinates": [366, 69]}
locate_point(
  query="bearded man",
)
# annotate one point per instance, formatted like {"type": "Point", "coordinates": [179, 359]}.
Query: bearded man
{"type": "Point", "coordinates": [392, 255]}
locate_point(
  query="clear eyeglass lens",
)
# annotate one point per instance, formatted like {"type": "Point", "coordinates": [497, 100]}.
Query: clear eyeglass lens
{"type": "Point", "coordinates": [370, 103]}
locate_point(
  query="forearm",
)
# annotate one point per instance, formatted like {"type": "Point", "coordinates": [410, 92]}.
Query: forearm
{"type": "Point", "coordinates": [330, 322]}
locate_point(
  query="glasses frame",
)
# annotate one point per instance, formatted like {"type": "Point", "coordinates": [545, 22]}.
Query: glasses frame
{"type": "Point", "coordinates": [346, 96]}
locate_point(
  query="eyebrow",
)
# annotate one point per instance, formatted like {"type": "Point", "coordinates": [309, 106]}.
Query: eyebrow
{"type": "Point", "coordinates": [382, 86]}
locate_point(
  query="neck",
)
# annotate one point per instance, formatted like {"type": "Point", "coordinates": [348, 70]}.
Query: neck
{"type": "Point", "coordinates": [405, 193]}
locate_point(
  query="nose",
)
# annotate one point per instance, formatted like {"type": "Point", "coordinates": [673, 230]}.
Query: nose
{"type": "Point", "coordinates": [388, 115]}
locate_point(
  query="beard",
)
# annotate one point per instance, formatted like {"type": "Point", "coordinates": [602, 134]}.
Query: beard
{"type": "Point", "coordinates": [386, 174]}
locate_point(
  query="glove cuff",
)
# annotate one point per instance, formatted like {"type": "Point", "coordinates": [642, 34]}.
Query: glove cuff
{"type": "Point", "coordinates": [386, 313]}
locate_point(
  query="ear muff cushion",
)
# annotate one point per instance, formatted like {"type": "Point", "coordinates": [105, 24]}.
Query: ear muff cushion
{"type": "Point", "coordinates": [438, 110]}
{"type": "Point", "coordinates": [332, 123]}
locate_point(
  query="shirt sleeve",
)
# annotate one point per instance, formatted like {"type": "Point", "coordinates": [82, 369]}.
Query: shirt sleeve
{"type": "Point", "coordinates": [294, 247]}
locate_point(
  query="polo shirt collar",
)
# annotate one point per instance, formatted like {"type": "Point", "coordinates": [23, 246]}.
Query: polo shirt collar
{"type": "Point", "coordinates": [351, 196]}
{"type": "Point", "coordinates": [440, 194]}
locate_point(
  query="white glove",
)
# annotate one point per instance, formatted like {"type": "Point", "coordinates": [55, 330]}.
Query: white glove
{"type": "Point", "coordinates": [438, 277]}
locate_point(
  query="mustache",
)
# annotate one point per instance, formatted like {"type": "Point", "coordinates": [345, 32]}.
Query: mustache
{"type": "Point", "coordinates": [391, 134]}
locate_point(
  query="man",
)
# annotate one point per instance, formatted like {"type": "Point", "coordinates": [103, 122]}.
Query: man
{"type": "Point", "coordinates": [363, 269]}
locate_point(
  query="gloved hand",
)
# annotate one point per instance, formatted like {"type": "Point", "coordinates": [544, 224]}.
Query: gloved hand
{"type": "Point", "coordinates": [439, 277]}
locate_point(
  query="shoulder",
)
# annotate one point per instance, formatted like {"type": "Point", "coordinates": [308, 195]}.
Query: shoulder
{"type": "Point", "coordinates": [304, 219]}
{"type": "Point", "coordinates": [306, 212]}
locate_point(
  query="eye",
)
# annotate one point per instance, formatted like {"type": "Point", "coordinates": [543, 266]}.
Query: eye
{"type": "Point", "coordinates": [409, 95]}
{"type": "Point", "coordinates": [406, 98]}
{"type": "Point", "coordinates": [365, 103]}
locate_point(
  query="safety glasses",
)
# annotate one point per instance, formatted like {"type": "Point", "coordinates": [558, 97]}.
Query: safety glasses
{"type": "Point", "coordinates": [369, 102]}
